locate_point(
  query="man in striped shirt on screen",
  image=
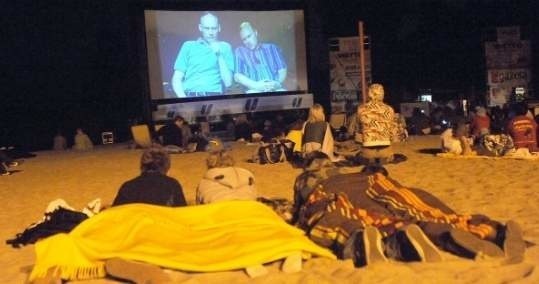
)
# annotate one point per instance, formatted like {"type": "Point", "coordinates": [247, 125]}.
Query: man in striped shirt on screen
{"type": "Point", "coordinates": [260, 67]}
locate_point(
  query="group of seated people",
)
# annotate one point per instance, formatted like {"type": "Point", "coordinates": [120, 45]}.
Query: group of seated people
{"type": "Point", "coordinates": [373, 128]}
{"type": "Point", "coordinates": [477, 137]}
{"type": "Point", "coordinates": [81, 141]}
{"type": "Point", "coordinates": [364, 216]}
{"type": "Point", "coordinates": [367, 216]}
{"type": "Point", "coordinates": [375, 123]}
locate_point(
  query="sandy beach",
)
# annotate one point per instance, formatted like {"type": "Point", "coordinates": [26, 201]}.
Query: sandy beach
{"type": "Point", "coordinates": [502, 189]}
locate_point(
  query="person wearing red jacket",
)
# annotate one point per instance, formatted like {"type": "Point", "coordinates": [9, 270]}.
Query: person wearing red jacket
{"type": "Point", "coordinates": [523, 129]}
{"type": "Point", "coordinates": [480, 124]}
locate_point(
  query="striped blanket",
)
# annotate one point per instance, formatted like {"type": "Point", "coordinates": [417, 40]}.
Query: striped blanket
{"type": "Point", "coordinates": [342, 204]}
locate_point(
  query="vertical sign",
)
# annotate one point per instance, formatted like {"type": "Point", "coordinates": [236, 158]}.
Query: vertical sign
{"type": "Point", "coordinates": [508, 61]}
{"type": "Point", "coordinates": [345, 79]}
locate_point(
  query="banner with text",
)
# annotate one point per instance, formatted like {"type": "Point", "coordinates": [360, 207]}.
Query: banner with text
{"type": "Point", "coordinates": [502, 82]}
{"type": "Point", "coordinates": [508, 61]}
{"type": "Point", "coordinates": [345, 72]}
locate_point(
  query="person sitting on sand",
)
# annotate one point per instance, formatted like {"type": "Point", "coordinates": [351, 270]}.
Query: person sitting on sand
{"type": "Point", "coordinates": [480, 124]}
{"type": "Point", "coordinates": [175, 134]}
{"type": "Point", "coordinates": [152, 186]}
{"type": "Point", "coordinates": [59, 142]}
{"type": "Point", "coordinates": [378, 126]}
{"type": "Point", "coordinates": [456, 139]}
{"type": "Point", "coordinates": [523, 129]}
{"type": "Point", "coordinates": [317, 133]}
{"type": "Point", "coordinates": [223, 180]}
{"type": "Point", "coordinates": [82, 141]}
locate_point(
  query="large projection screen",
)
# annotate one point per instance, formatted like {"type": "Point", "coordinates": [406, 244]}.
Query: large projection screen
{"type": "Point", "coordinates": [169, 32]}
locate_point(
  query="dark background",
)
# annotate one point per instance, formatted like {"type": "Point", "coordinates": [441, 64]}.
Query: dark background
{"type": "Point", "coordinates": [80, 63]}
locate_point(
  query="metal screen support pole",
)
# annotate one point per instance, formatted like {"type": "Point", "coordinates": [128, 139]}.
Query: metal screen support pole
{"type": "Point", "coordinates": [362, 61]}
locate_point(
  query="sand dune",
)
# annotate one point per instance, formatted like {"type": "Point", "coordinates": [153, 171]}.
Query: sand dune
{"type": "Point", "coordinates": [500, 188]}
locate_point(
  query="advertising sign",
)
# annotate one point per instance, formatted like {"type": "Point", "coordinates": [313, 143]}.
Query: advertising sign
{"type": "Point", "coordinates": [502, 82]}
{"type": "Point", "coordinates": [508, 61]}
{"type": "Point", "coordinates": [345, 72]}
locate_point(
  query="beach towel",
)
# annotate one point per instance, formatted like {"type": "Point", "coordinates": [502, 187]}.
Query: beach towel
{"type": "Point", "coordinates": [213, 237]}
{"type": "Point", "coordinates": [519, 154]}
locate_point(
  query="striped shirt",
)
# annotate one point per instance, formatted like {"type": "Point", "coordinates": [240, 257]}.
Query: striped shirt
{"type": "Point", "coordinates": [377, 122]}
{"type": "Point", "coordinates": [261, 63]}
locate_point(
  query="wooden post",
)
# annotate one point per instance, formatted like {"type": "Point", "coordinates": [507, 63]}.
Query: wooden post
{"type": "Point", "coordinates": [362, 62]}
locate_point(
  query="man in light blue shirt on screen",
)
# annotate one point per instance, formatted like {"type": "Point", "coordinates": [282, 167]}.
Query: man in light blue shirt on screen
{"type": "Point", "coordinates": [204, 66]}
{"type": "Point", "coordinates": [260, 67]}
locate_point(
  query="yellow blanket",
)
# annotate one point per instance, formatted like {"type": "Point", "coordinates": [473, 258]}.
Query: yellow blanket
{"type": "Point", "coordinates": [214, 237]}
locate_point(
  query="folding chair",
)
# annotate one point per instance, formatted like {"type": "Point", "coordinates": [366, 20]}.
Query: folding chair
{"type": "Point", "coordinates": [141, 135]}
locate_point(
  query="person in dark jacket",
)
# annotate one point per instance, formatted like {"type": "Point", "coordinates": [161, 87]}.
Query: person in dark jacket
{"type": "Point", "coordinates": [152, 186]}
{"type": "Point", "coordinates": [171, 133]}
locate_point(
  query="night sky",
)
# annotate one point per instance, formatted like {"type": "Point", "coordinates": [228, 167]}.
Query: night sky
{"type": "Point", "coordinates": [76, 63]}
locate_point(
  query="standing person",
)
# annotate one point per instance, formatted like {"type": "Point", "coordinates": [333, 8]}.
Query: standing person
{"type": "Point", "coordinates": [378, 126]}
{"type": "Point", "coordinates": [82, 141]}
{"type": "Point", "coordinates": [152, 186]}
{"type": "Point", "coordinates": [204, 66]}
{"type": "Point", "coordinates": [260, 67]}
{"type": "Point", "coordinates": [523, 129]}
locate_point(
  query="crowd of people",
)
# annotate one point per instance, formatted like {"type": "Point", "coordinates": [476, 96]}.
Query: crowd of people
{"type": "Point", "coordinates": [492, 132]}
{"type": "Point", "coordinates": [365, 216]}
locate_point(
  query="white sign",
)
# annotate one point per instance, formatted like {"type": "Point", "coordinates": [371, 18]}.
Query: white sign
{"type": "Point", "coordinates": [513, 77]}
{"type": "Point", "coordinates": [502, 82]}
{"type": "Point", "coordinates": [519, 91]}
{"type": "Point", "coordinates": [345, 72]}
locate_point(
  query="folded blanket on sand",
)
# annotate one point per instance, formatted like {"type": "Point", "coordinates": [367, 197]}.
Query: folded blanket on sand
{"type": "Point", "coordinates": [214, 237]}
{"type": "Point", "coordinates": [519, 154]}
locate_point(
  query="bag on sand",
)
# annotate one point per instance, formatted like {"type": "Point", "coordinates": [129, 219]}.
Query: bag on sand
{"type": "Point", "coordinates": [61, 220]}
{"type": "Point", "coordinates": [495, 145]}
{"type": "Point", "coordinates": [275, 152]}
